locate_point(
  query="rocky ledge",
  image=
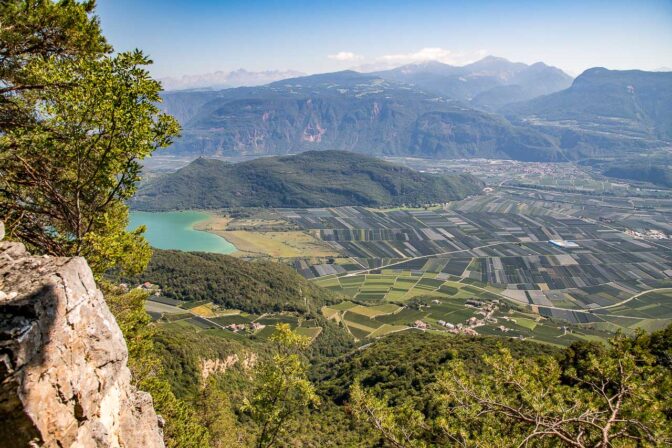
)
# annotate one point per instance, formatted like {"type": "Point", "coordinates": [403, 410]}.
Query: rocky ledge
{"type": "Point", "coordinates": [64, 381]}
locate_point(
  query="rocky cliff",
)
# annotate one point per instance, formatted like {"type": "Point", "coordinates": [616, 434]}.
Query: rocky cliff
{"type": "Point", "coordinates": [64, 378]}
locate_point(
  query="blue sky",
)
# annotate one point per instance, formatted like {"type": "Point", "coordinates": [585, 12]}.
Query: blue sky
{"type": "Point", "coordinates": [203, 36]}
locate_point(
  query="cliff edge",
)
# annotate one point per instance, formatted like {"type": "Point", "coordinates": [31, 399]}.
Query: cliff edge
{"type": "Point", "coordinates": [64, 381]}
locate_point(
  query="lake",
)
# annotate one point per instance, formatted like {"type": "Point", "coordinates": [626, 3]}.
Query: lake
{"type": "Point", "coordinates": [175, 230]}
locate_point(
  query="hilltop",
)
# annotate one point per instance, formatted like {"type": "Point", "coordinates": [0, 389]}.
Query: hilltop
{"type": "Point", "coordinates": [310, 179]}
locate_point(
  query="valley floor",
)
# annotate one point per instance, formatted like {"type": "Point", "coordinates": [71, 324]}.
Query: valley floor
{"type": "Point", "coordinates": [551, 253]}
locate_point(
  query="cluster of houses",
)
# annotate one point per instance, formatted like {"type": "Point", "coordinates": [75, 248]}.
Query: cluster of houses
{"type": "Point", "coordinates": [151, 288]}
{"type": "Point", "coordinates": [420, 325]}
{"type": "Point", "coordinates": [458, 328]}
{"type": "Point", "coordinates": [484, 315]}
{"type": "Point", "coordinates": [486, 311]}
{"type": "Point", "coordinates": [651, 234]}
{"type": "Point", "coordinates": [253, 327]}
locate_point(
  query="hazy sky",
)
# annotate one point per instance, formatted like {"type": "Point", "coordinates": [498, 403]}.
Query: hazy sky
{"type": "Point", "coordinates": [202, 36]}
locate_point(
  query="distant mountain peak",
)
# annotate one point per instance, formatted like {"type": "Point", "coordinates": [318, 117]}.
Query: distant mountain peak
{"type": "Point", "coordinates": [489, 82]}
{"type": "Point", "coordinates": [496, 65]}
{"type": "Point", "coordinates": [490, 59]}
{"type": "Point", "coordinates": [223, 79]}
{"type": "Point", "coordinates": [343, 78]}
{"type": "Point", "coordinates": [427, 65]}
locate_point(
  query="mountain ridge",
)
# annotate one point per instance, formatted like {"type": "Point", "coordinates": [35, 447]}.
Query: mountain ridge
{"type": "Point", "coordinates": [598, 92]}
{"type": "Point", "coordinates": [474, 82]}
{"type": "Point", "coordinates": [346, 111]}
{"type": "Point", "coordinates": [367, 113]}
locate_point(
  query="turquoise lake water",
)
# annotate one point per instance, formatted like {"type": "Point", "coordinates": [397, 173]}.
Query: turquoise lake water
{"type": "Point", "coordinates": [175, 230]}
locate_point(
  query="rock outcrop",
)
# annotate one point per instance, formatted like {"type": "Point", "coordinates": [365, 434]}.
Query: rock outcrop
{"type": "Point", "coordinates": [63, 372]}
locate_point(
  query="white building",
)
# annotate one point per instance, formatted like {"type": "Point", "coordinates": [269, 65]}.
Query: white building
{"type": "Point", "coordinates": [564, 244]}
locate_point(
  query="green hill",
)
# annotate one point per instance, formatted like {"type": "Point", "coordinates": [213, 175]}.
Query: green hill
{"type": "Point", "coordinates": [310, 179]}
{"type": "Point", "coordinates": [253, 287]}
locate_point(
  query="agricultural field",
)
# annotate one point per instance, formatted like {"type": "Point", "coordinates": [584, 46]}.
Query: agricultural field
{"type": "Point", "coordinates": [276, 244]}
{"type": "Point", "coordinates": [260, 233]}
{"type": "Point", "coordinates": [615, 273]}
{"type": "Point", "coordinates": [453, 315]}
{"type": "Point", "coordinates": [610, 268]}
{"type": "Point", "coordinates": [566, 177]}
{"type": "Point", "coordinates": [207, 316]}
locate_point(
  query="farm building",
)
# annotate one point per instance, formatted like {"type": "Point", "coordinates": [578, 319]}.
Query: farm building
{"type": "Point", "coordinates": [564, 244]}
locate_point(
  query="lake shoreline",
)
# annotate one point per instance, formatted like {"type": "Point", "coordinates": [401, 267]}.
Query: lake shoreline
{"type": "Point", "coordinates": [179, 230]}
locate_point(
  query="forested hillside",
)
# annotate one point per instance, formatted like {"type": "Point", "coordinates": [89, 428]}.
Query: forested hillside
{"type": "Point", "coordinates": [311, 179]}
{"type": "Point", "coordinates": [405, 365]}
{"type": "Point", "coordinates": [402, 380]}
{"type": "Point", "coordinates": [660, 174]}
{"type": "Point", "coordinates": [474, 392]}
{"type": "Point", "coordinates": [254, 287]}
{"type": "Point", "coordinates": [406, 390]}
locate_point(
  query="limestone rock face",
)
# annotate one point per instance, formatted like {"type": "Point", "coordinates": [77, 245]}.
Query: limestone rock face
{"type": "Point", "coordinates": [64, 381]}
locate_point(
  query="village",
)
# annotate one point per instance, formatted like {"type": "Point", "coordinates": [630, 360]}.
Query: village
{"type": "Point", "coordinates": [485, 312]}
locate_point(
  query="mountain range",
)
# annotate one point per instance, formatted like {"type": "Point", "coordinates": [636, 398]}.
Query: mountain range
{"type": "Point", "coordinates": [489, 83]}
{"type": "Point", "coordinates": [490, 109]}
{"type": "Point", "coordinates": [345, 111]}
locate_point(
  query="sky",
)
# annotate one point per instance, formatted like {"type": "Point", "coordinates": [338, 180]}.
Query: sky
{"type": "Point", "coordinates": [191, 37]}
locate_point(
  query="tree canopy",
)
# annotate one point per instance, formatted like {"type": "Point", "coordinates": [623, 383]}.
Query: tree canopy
{"type": "Point", "coordinates": [589, 396]}
{"type": "Point", "coordinates": [283, 390]}
{"type": "Point", "coordinates": [76, 121]}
